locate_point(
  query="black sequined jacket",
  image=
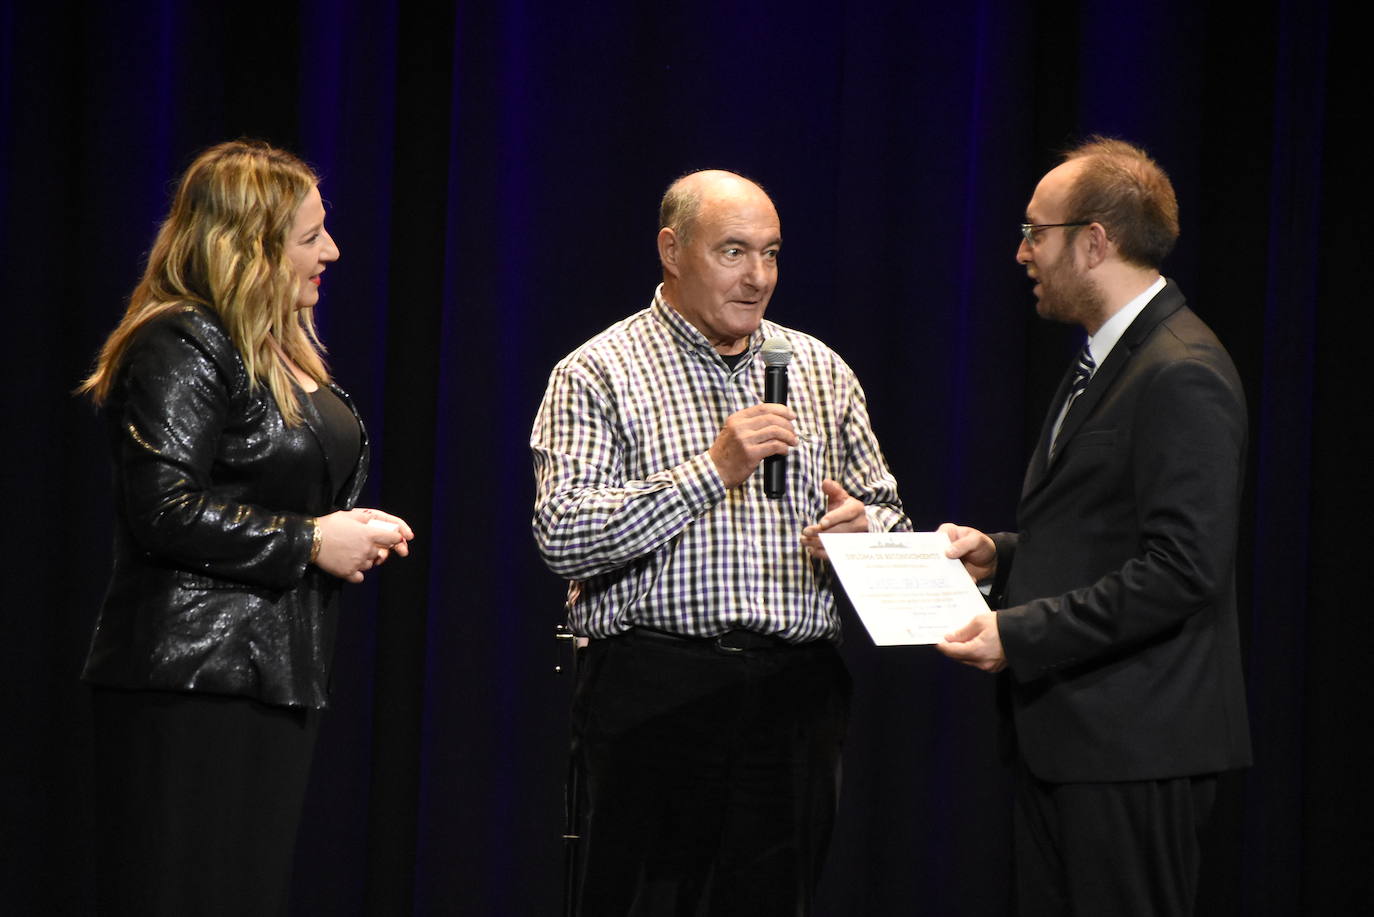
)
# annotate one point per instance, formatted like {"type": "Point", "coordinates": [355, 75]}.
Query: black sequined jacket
{"type": "Point", "coordinates": [212, 589]}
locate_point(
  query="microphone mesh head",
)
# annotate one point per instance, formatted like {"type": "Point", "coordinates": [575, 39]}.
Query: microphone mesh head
{"type": "Point", "coordinates": [777, 351]}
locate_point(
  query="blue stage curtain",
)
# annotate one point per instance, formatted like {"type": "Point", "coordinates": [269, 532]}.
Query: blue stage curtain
{"type": "Point", "coordinates": [492, 172]}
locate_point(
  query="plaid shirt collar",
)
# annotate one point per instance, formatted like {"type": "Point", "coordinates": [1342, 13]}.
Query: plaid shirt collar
{"type": "Point", "coordinates": [686, 336]}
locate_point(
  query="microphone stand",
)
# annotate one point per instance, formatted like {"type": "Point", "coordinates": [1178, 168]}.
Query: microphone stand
{"type": "Point", "coordinates": [572, 784]}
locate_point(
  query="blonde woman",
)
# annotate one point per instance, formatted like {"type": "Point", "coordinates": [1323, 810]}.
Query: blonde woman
{"type": "Point", "coordinates": [237, 464]}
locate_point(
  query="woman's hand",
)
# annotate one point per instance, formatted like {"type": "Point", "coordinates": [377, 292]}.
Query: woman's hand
{"type": "Point", "coordinates": [356, 540]}
{"type": "Point", "coordinates": [377, 518]}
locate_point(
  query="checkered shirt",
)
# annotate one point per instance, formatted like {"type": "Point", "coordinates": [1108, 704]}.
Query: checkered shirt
{"type": "Point", "coordinates": [629, 505]}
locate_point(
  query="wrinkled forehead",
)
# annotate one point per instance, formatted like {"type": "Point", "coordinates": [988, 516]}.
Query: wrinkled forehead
{"type": "Point", "coordinates": [748, 216]}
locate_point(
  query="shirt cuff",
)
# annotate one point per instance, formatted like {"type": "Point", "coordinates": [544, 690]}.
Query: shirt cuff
{"type": "Point", "coordinates": [699, 484]}
{"type": "Point", "coordinates": [882, 518]}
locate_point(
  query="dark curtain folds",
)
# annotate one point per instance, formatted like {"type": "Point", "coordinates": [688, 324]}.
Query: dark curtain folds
{"type": "Point", "coordinates": [492, 173]}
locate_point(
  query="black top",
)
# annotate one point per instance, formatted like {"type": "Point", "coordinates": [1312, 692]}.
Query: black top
{"type": "Point", "coordinates": [339, 435]}
{"type": "Point", "coordinates": [732, 359]}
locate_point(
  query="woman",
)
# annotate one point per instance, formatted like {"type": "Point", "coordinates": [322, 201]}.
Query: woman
{"type": "Point", "coordinates": [237, 465]}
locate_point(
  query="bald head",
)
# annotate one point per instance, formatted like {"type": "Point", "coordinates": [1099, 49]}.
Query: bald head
{"type": "Point", "coordinates": [682, 202]}
{"type": "Point", "coordinates": [718, 244]}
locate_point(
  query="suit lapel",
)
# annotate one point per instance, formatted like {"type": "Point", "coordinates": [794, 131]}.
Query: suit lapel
{"type": "Point", "coordinates": [1166, 302]}
{"type": "Point", "coordinates": [1039, 458]}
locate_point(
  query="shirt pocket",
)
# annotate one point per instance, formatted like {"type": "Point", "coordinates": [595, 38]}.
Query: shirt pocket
{"type": "Point", "coordinates": [806, 469]}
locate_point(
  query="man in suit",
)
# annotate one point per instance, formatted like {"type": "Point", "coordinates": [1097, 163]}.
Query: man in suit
{"type": "Point", "coordinates": [1116, 620]}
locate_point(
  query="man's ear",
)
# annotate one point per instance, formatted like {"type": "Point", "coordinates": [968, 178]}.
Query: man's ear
{"type": "Point", "coordinates": [669, 250]}
{"type": "Point", "coordinates": [1097, 243]}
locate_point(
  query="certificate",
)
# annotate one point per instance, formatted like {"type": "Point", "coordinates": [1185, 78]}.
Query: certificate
{"type": "Point", "coordinates": [902, 585]}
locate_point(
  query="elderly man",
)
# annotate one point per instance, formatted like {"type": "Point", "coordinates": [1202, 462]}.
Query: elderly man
{"type": "Point", "coordinates": [711, 703]}
{"type": "Point", "coordinates": [1117, 621]}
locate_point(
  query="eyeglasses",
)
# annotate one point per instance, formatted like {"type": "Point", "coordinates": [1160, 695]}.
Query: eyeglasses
{"type": "Point", "coordinates": [1028, 230]}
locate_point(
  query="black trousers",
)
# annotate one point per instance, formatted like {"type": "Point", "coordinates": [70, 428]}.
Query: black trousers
{"type": "Point", "coordinates": [198, 801]}
{"type": "Point", "coordinates": [711, 775]}
{"type": "Point", "coordinates": [1128, 849]}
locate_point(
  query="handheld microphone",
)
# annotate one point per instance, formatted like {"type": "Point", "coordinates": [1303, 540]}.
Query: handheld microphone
{"type": "Point", "coordinates": [777, 353]}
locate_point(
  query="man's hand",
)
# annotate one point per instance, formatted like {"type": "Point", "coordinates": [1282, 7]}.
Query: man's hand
{"type": "Point", "coordinates": [843, 513]}
{"type": "Point", "coordinates": [973, 548]}
{"type": "Point", "coordinates": [748, 437]}
{"type": "Point", "coordinates": [977, 643]}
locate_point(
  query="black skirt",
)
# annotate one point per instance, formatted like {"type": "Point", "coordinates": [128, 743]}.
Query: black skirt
{"type": "Point", "coordinates": [198, 800]}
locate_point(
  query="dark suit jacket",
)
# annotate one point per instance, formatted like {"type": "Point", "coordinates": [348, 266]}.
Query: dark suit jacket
{"type": "Point", "coordinates": [1117, 595]}
{"type": "Point", "coordinates": [212, 589]}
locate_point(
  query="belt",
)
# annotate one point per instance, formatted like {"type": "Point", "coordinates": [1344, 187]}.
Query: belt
{"type": "Point", "coordinates": [732, 641]}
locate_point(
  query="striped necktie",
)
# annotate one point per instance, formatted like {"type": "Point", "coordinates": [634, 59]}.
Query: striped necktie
{"type": "Point", "coordinates": [1082, 373]}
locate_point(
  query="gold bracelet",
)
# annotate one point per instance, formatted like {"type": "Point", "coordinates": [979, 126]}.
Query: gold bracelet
{"type": "Point", "coordinates": [316, 540]}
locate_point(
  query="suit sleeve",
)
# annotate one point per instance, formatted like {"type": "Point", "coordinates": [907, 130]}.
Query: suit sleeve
{"type": "Point", "coordinates": [173, 404]}
{"type": "Point", "coordinates": [1005, 543]}
{"type": "Point", "coordinates": [1185, 470]}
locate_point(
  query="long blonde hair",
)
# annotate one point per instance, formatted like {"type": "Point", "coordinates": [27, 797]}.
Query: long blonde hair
{"type": "Point", "coordinates": [223, 245]}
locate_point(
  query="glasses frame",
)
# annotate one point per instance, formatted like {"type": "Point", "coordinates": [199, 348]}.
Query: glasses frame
{"type": "Point", "coordinates": [1028, 230]}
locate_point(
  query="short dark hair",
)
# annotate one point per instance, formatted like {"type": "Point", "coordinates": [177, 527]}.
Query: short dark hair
{"type": "Point", "coordinates": [1126, 191]}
